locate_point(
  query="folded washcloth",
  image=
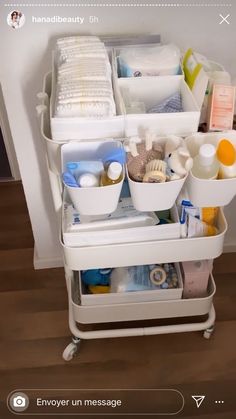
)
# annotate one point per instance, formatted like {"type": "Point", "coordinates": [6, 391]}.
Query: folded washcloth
{"type": "Point", "coordinates": [172, 104]}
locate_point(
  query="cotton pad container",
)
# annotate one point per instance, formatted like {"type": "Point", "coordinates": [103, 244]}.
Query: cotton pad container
{"type": "Point", "coordinates": [157, 60]}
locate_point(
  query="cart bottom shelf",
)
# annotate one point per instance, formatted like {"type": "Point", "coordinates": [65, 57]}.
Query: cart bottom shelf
{"type": "Point", "coordinates": [206, 326]}
{"type": "Point", "coordinates": [159, 310]}
{"type": "Point", "coordinates": [141, 310]}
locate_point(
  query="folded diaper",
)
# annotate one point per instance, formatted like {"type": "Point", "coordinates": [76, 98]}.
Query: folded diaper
{"type": "Point", "coordinates": [83, 51]}
{"type": "Point", "coordinates": [171, 104]}
{"type": "Point", "coordinates": [92, 109]}
{"type": "Point", "coordinates": [77, 40]}
{"type": "Point", "coordinates": [87, 89]}
{"type": "Point", "coordinates": [84, 87]}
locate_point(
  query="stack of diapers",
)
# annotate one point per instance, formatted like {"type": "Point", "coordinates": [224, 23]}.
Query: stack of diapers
{"type": "Point", "coordinates": [84, 87]}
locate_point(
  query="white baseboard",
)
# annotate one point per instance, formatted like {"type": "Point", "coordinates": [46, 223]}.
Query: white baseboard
{"type": "Point", "coordinates": [47, 263]}
{"type": "Point", "coordinates": [229, 248]}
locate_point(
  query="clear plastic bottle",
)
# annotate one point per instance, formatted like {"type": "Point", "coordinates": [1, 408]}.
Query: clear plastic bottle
{"type": "Point", "coordinates": [205, 164]}
{"type": "Point", "coordinates": [112, 175]}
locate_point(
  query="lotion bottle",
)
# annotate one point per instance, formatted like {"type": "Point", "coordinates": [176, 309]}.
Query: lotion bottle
{"type": "Point", "coordinates": [112, 175]}
{"type": "Point", "coordinates": [226, 155]}
{"type": "Point", "coordinates": [205, 164]}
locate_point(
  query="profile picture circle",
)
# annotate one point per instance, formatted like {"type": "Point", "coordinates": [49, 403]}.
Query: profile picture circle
{"type": "Point", "coordinates": [15, 19]}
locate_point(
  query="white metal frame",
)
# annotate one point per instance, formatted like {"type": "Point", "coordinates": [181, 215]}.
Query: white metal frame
{"type": "Point", "coordinates": [71, 350]}
{"type": "Point", "coordinates": [136, 331]}
{"type": "Point", "coordinates": [207, 326]}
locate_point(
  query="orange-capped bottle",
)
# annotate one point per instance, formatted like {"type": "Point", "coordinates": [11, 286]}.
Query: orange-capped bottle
{"type": "Point", "coordinates": [226, 154]}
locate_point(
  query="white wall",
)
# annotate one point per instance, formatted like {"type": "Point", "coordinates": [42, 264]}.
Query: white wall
{"type": "Point", "coordinates": [26, 56]}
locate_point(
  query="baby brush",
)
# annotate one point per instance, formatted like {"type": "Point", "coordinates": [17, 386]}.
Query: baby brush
{"type": "Point", "coordinates": [155, 171]}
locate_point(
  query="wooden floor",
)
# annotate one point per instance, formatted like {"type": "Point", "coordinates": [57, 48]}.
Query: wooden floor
{"type": "Point", "coordinates": [34, 332]}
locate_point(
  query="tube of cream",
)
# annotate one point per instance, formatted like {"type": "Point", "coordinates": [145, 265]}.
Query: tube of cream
{"type": "Point", "coordinates": [186, 208]}
{"type": "Point", "coordinates": [198, 228]}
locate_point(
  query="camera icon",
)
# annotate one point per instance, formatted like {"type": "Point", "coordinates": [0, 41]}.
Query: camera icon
{"type": "Point", "coordinates": [19, 401]}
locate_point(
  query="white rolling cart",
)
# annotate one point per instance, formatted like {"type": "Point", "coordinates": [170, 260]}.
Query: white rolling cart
{"type": "Point", "coordinates": [126, 254]}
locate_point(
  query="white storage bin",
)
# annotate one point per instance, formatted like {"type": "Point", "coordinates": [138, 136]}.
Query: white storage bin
{"type": "Point", "coordinates": [53, 147]}
{"type": "Point", "coordinates": [80, 128]}
{"type": "Point", "coordinates": [141, 310]}
{"type": "Point", "coordinates": [130, 254]}
{"type": "Point", "coordinates": [66, 129]}
{"type": "Point", "coordinates": [93, 200]}
{"type": "Point", "coordinates": [115, 235]}
{"type": "Point", "coordinates": [154, 196]}
{"type": "Point", "coordinates": [132, 297]}
{"type": "Point", "coordinates": [152, 91]}
{"type": "Point", "coordinates": [205, 192]}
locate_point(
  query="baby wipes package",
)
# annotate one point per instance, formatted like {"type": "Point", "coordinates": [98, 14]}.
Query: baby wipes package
{"type": "Point", "coordinates": [125, 216]}
{"type": "Point", "coordinates": [126, 224]}
{"type": "Point", "coordinates": [158, 60]}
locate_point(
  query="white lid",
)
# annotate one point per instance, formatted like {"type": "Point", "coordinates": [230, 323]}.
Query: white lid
{"type": "Point", "coordinates": [88, 180]}
{"type": "Point", "coordinates": [221, 77]}
{"type": "Point", "coordinates": [207, 154]}
{"type": "Point", "coordinates": [114, 170]}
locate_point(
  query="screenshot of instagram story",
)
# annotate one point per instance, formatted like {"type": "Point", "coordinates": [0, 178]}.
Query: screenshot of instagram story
{"type": "Point", "coordinates": [117, 208]}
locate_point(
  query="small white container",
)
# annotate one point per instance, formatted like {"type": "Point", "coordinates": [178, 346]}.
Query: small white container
{"type": "Point", "coordinates": [132, 297]}
{"type": "Point", "coordinates": [154, 196]}
{"type": "Point", "coordinates": [207, 192]}
{"type": "Point", "coordinates": [91, 200]}
{"type": "Point", "coordinates": [152, 91]}
{"type": "Point", "coordinates": [97, 200]}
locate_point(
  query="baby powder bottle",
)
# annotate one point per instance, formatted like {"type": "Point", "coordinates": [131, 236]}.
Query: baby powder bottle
{"type": "Point", "coordinates": [205, 164]}
{"type": "Point", "coordinates": [88, 180]}
{"type": "Point", "coordinates": [112, 175]}
{"type": "Point", "coordinates": [226, 155]}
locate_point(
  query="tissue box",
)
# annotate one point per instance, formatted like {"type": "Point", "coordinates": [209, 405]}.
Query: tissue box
{"type": "Point", "coordinates": [196, 275]}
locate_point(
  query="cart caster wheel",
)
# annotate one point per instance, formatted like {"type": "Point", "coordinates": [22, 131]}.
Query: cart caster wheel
{"type": "Point", "coordinates": [208, 332]}
{"type": "Point", "coordinates": [70, 351]}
